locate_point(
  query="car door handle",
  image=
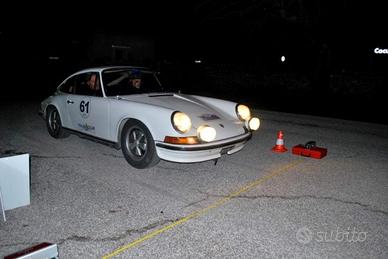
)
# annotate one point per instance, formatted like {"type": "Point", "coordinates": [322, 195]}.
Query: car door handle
{"type": "Point", "coordinates": [70, 101]}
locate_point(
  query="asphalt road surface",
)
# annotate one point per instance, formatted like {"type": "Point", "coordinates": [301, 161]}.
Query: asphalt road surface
{"type": "Point", "coordinates": [253, 204]}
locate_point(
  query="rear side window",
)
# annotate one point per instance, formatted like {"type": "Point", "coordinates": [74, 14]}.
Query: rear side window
{"type": "Point", "coordinates": [68, 86]}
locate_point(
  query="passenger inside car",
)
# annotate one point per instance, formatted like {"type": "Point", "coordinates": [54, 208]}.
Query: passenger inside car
{"type": "Point", "coordinates": [135, 81]}
{"type": "Point", "coordinates": [92, 85]}
{"type": "Point", "coordinates": [92, 82]}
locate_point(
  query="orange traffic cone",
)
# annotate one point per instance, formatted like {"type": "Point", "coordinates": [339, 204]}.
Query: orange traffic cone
{"type": "Point", "coordinates": [279, 147]}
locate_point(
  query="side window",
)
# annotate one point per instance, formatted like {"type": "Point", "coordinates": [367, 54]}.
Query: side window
{"type": "Point", "coordinates": [68, 86]}
{"type": "Point", "coordinates": [88, 84]}
{"type": "Point", "coordinates": [79, 82]}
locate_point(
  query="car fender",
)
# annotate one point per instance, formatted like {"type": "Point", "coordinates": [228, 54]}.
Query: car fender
{"type": "Point", "coordinates": [55, 101]}
{"type": "Point", "coordinates": [157, 119]}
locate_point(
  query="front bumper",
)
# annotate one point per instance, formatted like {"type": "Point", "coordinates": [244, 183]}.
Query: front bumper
{"type": "Point", "coordinates": [201, 152]}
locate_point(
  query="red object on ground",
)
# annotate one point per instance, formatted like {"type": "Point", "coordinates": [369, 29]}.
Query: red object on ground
{"type": "Point", "coordinates": [314, 152]}
{"type": "Point", "coordinates": [279, 147]}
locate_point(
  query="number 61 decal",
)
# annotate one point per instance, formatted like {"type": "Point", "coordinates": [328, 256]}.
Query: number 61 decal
{"type": "Point", "coordinates": [84, 108]}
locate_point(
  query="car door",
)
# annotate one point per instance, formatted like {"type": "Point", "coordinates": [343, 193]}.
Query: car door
{"type": "Point", "coordinates": [88, 109]}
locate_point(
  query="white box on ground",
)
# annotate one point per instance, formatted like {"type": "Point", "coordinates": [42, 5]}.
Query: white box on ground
{"type": "Point", "coordinates": [15, 181]}
{"type": "Point", "coordinates": [41, 251]}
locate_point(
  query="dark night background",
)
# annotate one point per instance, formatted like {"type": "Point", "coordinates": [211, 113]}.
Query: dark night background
{"type": "Point", "coordinates": [330, 67]}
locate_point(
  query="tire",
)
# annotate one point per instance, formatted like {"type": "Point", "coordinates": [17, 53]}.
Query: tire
{"type": "Point", "coordinates": [54, 124]}
{"type": "Point", "coordinates": [138, 146]}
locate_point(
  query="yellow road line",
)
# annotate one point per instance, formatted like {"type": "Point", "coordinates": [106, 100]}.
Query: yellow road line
{"type": "Point", "coordinates": [216, 204]}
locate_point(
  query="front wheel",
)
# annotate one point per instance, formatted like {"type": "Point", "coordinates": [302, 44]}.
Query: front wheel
{"type": "Point", "coordinates": [54, 124]}
{"type": "Point", "coordinates": [138, 146]}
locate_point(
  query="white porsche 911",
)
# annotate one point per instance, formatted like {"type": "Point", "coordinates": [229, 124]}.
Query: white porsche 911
{"type": "Point", "coordinates": [127, 108]}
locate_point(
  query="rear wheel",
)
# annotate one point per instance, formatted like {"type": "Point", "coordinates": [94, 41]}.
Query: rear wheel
{"type": "Point", "coordinates": [54, 124]}
{"type": "Point", "coordinates": [138, 146]}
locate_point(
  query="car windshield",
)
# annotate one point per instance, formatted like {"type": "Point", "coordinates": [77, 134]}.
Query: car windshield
{"type": "Point", "coordinates": [130, 81]}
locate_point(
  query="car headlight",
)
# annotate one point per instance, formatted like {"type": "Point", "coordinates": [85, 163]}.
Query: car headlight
{"type": "Point", "coordinates": [254, 123]}
{"type": "Point", "coordinates": [206, 133]}
{"type": "Point", "coordinates": [243, 112]}
{"type": "Point", "coordinates": [181, 122]}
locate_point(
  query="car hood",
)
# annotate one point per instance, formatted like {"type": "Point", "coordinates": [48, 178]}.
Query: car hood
{"type": "Point", "coordinates": [176, 102]}
{"type": "Point", "coordinates": [199, 112]}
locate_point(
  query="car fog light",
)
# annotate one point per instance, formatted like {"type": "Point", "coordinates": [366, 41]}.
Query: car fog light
{"type": "Point", "coordinates": [254, 123]}
{"type": "Point", "coordinates": [206, 133]}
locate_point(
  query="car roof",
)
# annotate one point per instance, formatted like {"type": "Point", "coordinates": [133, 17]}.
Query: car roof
{"type": "Point", "coordinates": [101, 69]}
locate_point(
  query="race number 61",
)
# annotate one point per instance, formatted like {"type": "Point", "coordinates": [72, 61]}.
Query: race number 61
{"type": "Point", "coordinates": [84, 108]}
